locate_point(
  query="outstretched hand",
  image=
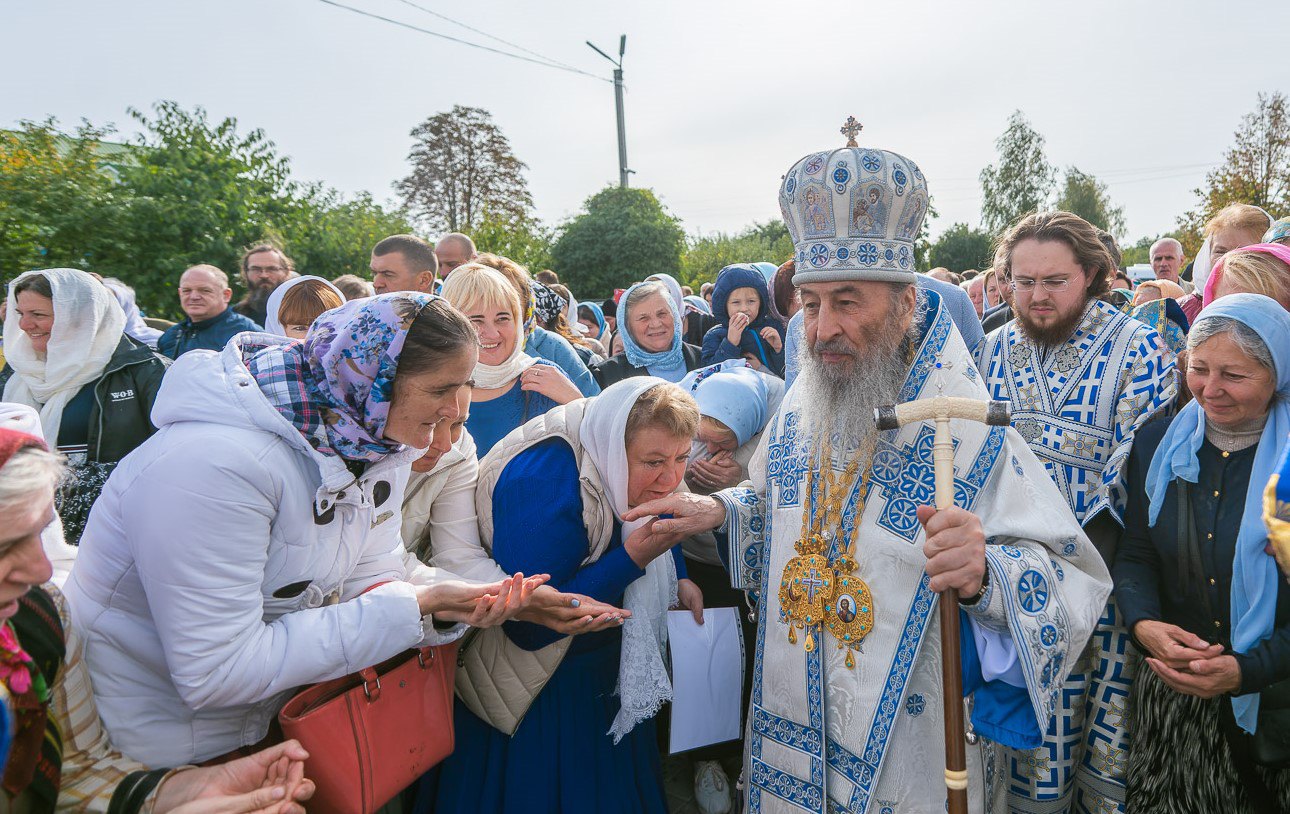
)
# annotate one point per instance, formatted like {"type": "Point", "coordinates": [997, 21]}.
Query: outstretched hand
{"type": "Point", "coordinates": [571, 613]}
{"type": "Point", "coordinates": [690, 514]}
{"type": "Point", "coordinates": [479, 605]}
{"type": "Point", "coordinates": [271, 781]}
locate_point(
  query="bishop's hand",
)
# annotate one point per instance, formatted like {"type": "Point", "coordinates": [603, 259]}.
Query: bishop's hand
{"type": "Point", "coordinates": [690, 514]}
{"type": "Point", "coordinates": [955, 550]}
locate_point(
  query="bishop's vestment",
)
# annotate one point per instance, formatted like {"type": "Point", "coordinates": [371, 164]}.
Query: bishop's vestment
{"type": "Point", "coordinates": [825, 737]}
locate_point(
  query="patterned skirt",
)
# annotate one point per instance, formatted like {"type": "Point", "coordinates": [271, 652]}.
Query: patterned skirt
{"type": "Point", "coordinates": [1182, 761]}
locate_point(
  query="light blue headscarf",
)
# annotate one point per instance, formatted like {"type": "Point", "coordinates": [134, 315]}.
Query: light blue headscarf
{"type": "Point", "coordinates": [698, 304]}
{"type": "Point", "coordinates": [638, 356]}
{"type": "Point", "coordinates": [732, 393]}
{"type": "Point", "coordinates": [1254, 574]}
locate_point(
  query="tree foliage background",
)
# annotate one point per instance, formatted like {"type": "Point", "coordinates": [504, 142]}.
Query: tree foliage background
{"type": "Point", "coordinates": [1022, 179]}
{"type": "Point", "coordinates": [766, 242]}
{"type": "Point", "coordinates": [1084, 195]}
{"type": "Point", "coordinates": [187, 190]}
{"type": "Point", "coordinates": [961, 247]}
{"type": "Point", "coordinates": [462, 170]}
{"type": "Point", "coordinates": [624, 234]}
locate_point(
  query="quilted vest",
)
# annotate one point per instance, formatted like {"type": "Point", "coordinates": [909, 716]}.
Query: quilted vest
{"type": "Point", "coordinates": [497, 680]}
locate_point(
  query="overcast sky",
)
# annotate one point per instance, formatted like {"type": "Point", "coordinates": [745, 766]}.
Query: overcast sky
{"type": "Point", "coordinates": [722, 96]}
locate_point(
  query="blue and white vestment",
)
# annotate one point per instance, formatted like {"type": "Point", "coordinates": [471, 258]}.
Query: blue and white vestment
{"type": "Point", "coordinates": [825, 738]}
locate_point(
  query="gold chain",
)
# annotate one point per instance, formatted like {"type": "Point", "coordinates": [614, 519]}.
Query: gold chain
{"type": "Point", "coordinates": [834, 492]}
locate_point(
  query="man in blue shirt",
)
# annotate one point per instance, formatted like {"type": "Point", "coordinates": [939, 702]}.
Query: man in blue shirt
{"type": "Point", "coordinates": [204, 296]}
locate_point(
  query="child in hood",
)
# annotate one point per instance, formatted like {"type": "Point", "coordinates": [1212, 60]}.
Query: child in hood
{"type": "Point", "coordinates": [747, 330]}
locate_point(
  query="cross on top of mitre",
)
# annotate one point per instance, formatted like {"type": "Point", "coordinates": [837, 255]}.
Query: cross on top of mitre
{"type": "Point", "coordinates": [851, 128]}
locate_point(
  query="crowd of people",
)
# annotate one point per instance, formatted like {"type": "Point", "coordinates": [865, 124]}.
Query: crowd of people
{"type": "Point", "coordinates": [203, 517]}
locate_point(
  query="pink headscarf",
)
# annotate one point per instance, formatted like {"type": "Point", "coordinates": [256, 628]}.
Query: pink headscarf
{"type": "Point", "coordinates": [1277, 250]}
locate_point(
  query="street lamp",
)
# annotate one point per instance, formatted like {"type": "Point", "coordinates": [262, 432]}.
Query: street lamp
{"type": "Point", "coordinates": [618, 105]}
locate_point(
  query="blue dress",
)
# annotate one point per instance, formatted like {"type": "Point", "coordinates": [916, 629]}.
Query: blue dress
{"type": "Point", "coordinates": [560, 760]}
{"type": "Point", "coordinates": [491, 421]}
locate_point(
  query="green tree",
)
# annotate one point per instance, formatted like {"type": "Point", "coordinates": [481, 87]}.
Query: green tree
{"type": "Point", "coordinates": [59, 198]}
{"type": "Point", "coordinates": [961, 247]}
{"type": "Point", "coordinates": [1255, 169]}
{"type": "Point", "coordinates": [463, 167]}
{"type": "Point", "coordinates": [705, 256]}
{"type": "Point", "coordinates": [1021, 181]}
{"type": "Point", "coordinates": [1084, 195]}
{"type": "Point", "coordinates": [624, 235]}
{"type": "Point", "coordinates": [200, 192]}
{"type": "Point", "coordinates": [335, 234]}
{"type": "Point", "coordinates": [525, 239]}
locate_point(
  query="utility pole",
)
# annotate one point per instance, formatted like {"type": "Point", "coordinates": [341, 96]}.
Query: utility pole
{"type": "Point", "coordinates": [623, 171]}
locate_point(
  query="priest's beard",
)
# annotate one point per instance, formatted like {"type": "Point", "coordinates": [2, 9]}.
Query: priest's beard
{"type": "Point", "coordinates": [1054, 333]}
{"type": "Point", "coordinates": [836, 402]}
{"type": "Point", "coordinates": [257, 296]}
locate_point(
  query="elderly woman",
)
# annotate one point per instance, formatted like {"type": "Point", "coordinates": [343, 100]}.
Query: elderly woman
{"type": "Point", "coordinates": [1263, 268]}
{"type": "Point", "coordinates": [68, 356]}
{"type": "Point", "coordinates": [510, 387]}
{"type": "Point", "coordinates": [649, 325]}
{"type": "Point", "coordinates": [1200, 594]}
{"type": "Point", "coordinates": [55, 755]}
{"type": "Point", "coordinates": [294, 305]}
{"type": "Point", "coordinates": [552, 724]}
{"type": "Point", "coordinates": [252, 545]}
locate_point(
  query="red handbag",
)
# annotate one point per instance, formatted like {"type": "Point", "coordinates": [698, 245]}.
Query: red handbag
{"type": "Point", "coordinates": [372, 734]}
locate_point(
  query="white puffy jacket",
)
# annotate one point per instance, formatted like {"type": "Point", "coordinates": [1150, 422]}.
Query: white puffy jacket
{"type": "Point", "coordinates": [223, 566]}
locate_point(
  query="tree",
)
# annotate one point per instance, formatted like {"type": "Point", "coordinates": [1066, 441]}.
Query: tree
{"type": "Point", "coordinates": [1255, 169]}
{"type": "Point", "coordinates": [623, 236]}
{"type": "Point", "coordinates": [1021, 181]}
{"type": "Point", "coordinates": [767, 242]}
{"type": "Point", "coordinates": [961, 247]}
{"type": "Point", "coordinates": [59, 198]}
{"type": "Point", "coordinates": [462, 167]}
{"type": "Point", "coordinates": [335, 234]}
{"type": "Point", "coordinates": [525, 240]}
{"type": "Point", "coordinates": [1084, 195]}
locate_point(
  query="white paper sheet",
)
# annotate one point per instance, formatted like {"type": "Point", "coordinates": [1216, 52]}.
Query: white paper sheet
{"type": "Point", "coordinates": [707, 677]}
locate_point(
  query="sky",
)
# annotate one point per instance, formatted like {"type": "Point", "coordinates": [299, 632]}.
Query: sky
{"type": "Point", "coordinates": [723, 96]}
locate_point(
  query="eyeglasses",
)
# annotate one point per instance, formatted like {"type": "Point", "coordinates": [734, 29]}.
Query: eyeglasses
{"type": "Point", "coordinates": [264, 269]}
{"type": "Point", "coordinates": [1051, 285]}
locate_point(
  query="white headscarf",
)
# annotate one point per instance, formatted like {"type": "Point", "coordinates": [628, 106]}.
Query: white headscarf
{"type": "Point", "coordinates": [271, 322]}
{"type": "Point", "coordinates": [135, 327]}
{"type": "Point", "coordinates": [62, 556]}
{"type": "Point", "coordinates": [643, 683]}
{"type": "Point", "coordinates": [673, 288]}
{"type": "Point", "coordinates": [88, 324]}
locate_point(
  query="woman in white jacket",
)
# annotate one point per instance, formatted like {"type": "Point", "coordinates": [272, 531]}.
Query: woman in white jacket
{"type": "Point", "coordinates": [252, 545]}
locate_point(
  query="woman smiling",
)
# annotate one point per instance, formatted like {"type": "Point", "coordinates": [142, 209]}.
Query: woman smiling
{"type": "Point", "coordinates": [511, 387]}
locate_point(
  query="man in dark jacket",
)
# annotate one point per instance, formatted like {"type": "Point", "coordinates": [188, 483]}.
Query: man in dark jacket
{"type": "Point", "coordinates": [210, 322]}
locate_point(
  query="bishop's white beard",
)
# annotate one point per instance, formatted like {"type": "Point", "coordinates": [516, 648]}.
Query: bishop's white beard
{"type": "Point", "coordinates": [838, 404]}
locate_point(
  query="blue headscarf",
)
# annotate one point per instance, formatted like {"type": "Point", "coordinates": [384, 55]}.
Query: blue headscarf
{"type": "Point", "coordinates": [732, 393]}
{"type": "Point", "coordinates": [597, 313]}
{"type": "Point", "coordinates": [638, 356]}
{"type": "Point", "coordinates": [699, 304]}
{"type": "Point", "coordinates": [768, 271]}
{"type": "Point", "coordinates": [1254, 573]}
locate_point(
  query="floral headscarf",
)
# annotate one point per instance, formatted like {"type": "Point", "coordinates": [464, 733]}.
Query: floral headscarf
{"type": "Point", "coordinates": [336, 387]}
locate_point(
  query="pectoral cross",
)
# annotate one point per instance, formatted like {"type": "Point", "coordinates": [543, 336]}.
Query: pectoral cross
{"type": "Point", "coordinates": [851, 129]}
{"type": "Point", "coordinates": [812, 582]}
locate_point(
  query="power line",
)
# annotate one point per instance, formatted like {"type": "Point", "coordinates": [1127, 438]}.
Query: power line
{"type": "Point", "coordinates": [450, 38]}
{"type": "Point", "coordinates": [516, 46]}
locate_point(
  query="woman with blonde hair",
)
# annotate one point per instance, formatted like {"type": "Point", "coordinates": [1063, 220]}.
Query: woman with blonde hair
{"type": "Point", "coordinates": [1235, 226]}
{"type": "Point", "coordinates": [1263, 268]}
{"type": "Point", "coordinates": [511, 387]}
{"type": "Point", "coordinates": [1149, 290]}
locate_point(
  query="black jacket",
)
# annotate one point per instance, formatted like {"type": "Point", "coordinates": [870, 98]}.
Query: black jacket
{"type": "Point", "coordinates": [123, 395]}
{"type": "Point", "coordinates": [996, 317]}
{"type": "Point", "coordinates": [616, 368]}
{"type": "Point", "coordinates": [1157, 578]}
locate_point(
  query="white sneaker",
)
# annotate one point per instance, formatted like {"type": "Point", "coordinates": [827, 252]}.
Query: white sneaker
{"type": "Point", "coordinates": [711, 787]}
